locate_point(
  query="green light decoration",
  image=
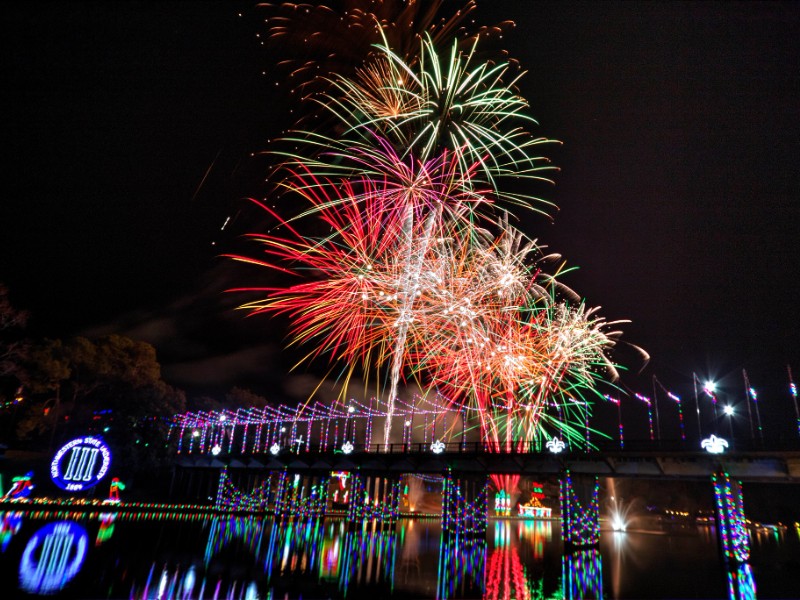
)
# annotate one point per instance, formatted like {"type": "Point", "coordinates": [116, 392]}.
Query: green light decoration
{"type": "Point", "coordinates": [580, 525]}
{"type": "Point", "coordinates": [461, 516]}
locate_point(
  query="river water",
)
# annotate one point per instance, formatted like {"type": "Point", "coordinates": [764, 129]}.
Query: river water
{"type": "Point", "coordinates": [127, 555]}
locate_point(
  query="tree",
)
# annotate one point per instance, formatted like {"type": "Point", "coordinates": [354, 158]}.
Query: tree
{"type": "Point", "coordinates": [13, 344]}
{"type": "Point", "coordinates": [110, 386]}
{"type": "Point", "coordinates": [244, 398]}
{"type": "Point", "coordinates": [47, 367]}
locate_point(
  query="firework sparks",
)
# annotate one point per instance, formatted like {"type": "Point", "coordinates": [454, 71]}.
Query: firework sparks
{"type": "Point", "coordinates": [410, 278]}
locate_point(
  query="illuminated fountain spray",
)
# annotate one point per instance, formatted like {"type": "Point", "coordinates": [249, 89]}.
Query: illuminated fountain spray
{"type": "Point", "coordinates": [415, 492]}
{"type": "Point", "coordinates": [618, 512]}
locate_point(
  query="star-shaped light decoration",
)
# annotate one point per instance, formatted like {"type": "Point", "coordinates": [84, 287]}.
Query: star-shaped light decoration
{"type": "Point", "coordinates": [555, 445]}
{"type": "Point", "coordinates": [714, 444]}
{"type": "Point", "coordinates": [437, 447]}
{"type": "Point", "coordinates": [216, 450]}
{"type": "Point", "coordinates": [274, 449]}
{"type": "Point", "coordinates": [347, 447]}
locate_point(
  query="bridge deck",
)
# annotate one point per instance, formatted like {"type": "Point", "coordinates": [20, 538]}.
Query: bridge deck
{"type": "Point", "coordinates": [753, 466]}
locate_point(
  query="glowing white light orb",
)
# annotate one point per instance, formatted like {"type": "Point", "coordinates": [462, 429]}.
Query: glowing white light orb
{"type": "Point", "coordinates": [195, 433]}
{"type": "Point", "coordinates": [274, 449]}
{"type": "Point", "coordinates": [437, 447]}
{"type": "Point", "coordinates": [728, 410]}
{"type": "Point", "coordinates": [347, 447]}
{"type": "Point", "coordinates": [710, 387]}
{"type": "Point", "coordinates": [618, 523]}
{"type": "Point", "coordinates": [216, 450]}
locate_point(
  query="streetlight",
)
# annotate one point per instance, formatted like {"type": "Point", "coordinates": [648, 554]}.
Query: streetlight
{"type": "Point", "coordinates": [729, 412]}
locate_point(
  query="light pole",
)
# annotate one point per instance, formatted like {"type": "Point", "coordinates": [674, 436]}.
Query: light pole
{"type": "Point", "coordinates": [710, 389]}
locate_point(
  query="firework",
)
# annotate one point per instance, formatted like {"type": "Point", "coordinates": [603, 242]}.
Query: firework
{"type": "Point", "coordinates": [419, 272]}
{"type": "Point", "coordinates": [433, 106]}
{"type": "Point", "coordinates": [312, 42]}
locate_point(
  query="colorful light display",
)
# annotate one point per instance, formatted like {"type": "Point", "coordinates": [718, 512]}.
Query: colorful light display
{"type": "Point", "coordinates": [464, 505]}
{"type": "Point", "coordinates": [619, 418]}
{"type": "Point", "coordinates": [730, 518]}
{"type": "Point", "coordinates": [580, 525]}
{"type": "Point", "coordinates": [534, 509]}
{"type": "Point", "coordinates": [649, 405]}
{"type": "Point", "coordinates": [21, 487]}
{"type": "Point", "coordinates": [87, 462]}
{"type": "Point", "coordinates": [262, 430]}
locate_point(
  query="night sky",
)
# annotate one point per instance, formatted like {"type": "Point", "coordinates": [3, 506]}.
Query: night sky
{"type": "Point", "coordinates": [128, 129]}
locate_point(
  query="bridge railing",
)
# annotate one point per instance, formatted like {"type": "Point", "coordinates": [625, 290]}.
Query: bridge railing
{"type": "Point", "coordinates": [530, 447]}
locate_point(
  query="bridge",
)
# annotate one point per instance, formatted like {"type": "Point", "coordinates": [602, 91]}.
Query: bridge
{"type": "Point", "coordinates": [294, 462]}
{"type": "Point", "coordinates": [470, 459]}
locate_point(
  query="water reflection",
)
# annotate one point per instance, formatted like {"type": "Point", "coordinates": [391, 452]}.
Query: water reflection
{"type": "Point", "coordinates": [9, 527]}
{"type": "Point", "coordinates": [52, 557]}
{"type": "Point", "coordinates": [461, 567]}
{"type": "Point", "coordinates": [247, 558]}
{"type": "Point", "coordinates": [741, 585]}
{"type": "Point", "coordinates": [582, 575]}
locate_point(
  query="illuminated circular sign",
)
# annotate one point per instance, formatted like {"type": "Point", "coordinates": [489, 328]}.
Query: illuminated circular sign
{"type": "Point", "coordinates": [52, 557]}
{"type": "Point", "coordinates": [80, 464]}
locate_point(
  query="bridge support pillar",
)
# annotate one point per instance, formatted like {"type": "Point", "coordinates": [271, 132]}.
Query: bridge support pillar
{"type": "Point", "coordinates": [373, 498]}
{"type": "Point", "coordinates": [464, 506]}
{"type": "Point", "coordinates": [229, 497]}
{"type": "Point", "coordinates": [731, 523]}
{"type": "Point", "coordinates": [300, 496]}
{"type": "Point", "coordinates": [580, 513]}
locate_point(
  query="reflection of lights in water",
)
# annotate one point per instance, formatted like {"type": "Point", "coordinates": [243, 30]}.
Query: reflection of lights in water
{"type": "Point", "coordinates": [224, 530]}
{"type": "Point", "coordinates": [53, 556]}
{"type": "Point", "coordinates": [582, 575]}
{"type": "Point", "coordinates": [505, 577]}
{"type": "Point", "coordinates": [536, 533]}
{"type": "Point", "coordinates": [331, 546]}
{"type": "Point", "coordinates": [741, 584]}
{"type": "Point", "coordinates": [368, 555]}
{"type": "Point", "coordinates": [106, 529]}
{"type": "Point", "coordinates": [173, 584]}
{"type": "Point", "coordinates": [9, 526]}
{"type": "Point", "coordinates": [189, 581]}
{"type": "Point", "coordinates": [461, 566]}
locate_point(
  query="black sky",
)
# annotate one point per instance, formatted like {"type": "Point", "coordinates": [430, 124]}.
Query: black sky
{"type": "Point", "coordinates": [678, 192]}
